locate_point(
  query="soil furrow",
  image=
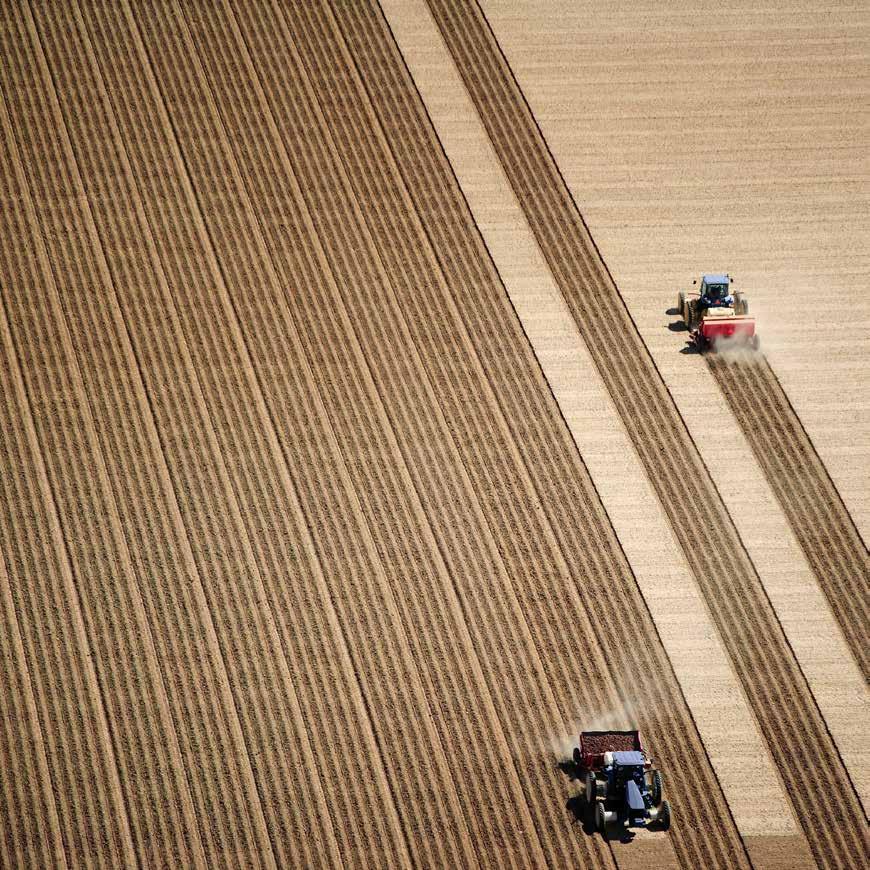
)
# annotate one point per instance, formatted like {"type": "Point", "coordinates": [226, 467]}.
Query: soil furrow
{"type": "Point", "coordinates": [72, 717]}
{"type": "Point", "coordinates": [30, 833]}
{"type": "Point", "coordinates": [378, 642]}
{"type": "Point", "coordinates": [339, 228]}
{"type": "Point", "coordinates": [476, 745]}
{"type": "Point", "coordinates": [268, 348]}
{"type": "Point", "coordinates": [776, 688]}
{"type": "Point", "coordinates": [90, 331]}
{"type": "Point", "coordinates": [230, 220]}
{"type": "Point", "coordinates": [816, 512]}
{"type": "Point", "coordinates": [333, 709]}
{"type": "Point", "coordinates": [599, 554]}
{"type": "Point", "coordinates": [273, 730]}
{"type": "Point", "coordinates": [134, 697]}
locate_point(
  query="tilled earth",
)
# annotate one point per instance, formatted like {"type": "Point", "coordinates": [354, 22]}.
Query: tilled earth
{"type": "Point", "coordinates": [303, 561]}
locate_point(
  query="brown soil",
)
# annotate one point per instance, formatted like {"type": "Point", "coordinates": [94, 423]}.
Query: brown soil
{"type": "Point", "coordinates": [815, 510]}
{"type": "Point", "coordinates": [299, 562]}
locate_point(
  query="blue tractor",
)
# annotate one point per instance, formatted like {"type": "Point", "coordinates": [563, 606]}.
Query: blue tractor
{"type": "Point", "coordinates": [623, 788]}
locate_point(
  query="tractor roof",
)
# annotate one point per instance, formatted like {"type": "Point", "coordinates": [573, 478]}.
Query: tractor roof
{"type": "Point", "coordinates": [716, 279]}
{"type": "Point", "coordinates": [627, 759]}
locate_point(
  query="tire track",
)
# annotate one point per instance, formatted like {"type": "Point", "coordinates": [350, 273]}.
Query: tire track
{"type": "Point", "coordinates": [334, 709]}
{"type": "Point", "coordinates": [396, 529]}
{"type": "Point", "coordinates": [559, 617]}
{"type": "Point", "coordinates": [777, 690]}
{"type": "Point", "coordinates": [274, 731]}
{"type": "Point", "coordinates": [816, 512]}
{"type": "Point", "coordinates": [30, 833]}
{"type": "Point", "coordinates": [72, 718]}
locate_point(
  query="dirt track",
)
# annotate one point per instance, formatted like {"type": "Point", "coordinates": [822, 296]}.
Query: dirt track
{"type": "Point", "coordinates": [301, 565]}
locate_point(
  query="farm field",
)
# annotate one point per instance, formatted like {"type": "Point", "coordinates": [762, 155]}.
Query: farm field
{"type": "Point", "coordinates": [350, 467]}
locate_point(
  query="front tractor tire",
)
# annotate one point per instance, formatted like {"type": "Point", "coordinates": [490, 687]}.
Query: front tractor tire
{"type": "Point", "coordinates": [663, 816]}
{"type": "Point", "coordinates": [691, 315]}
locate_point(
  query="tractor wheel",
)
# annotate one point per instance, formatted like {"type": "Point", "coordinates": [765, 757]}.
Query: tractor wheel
{"type": "Point", "coordinates": [663, 818]}
{"type": "Point", "coordinates": [656, 788]}
{"type": "Point", "coordinates": [577, 756]}
{"type": "Point", "coordinates": [690, 314]}
{"type": "Point", "coordinates": [591, 788]}
{"type": "Point", "coordinates": [681, 302]}
{"type": "Point", "coordinates": [600, 818]}
{"type": "Point", "coordinates": [741, 305]}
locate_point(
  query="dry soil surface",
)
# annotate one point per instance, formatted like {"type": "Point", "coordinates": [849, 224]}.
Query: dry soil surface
{"type": "Point", "coordinates": [320, 539]}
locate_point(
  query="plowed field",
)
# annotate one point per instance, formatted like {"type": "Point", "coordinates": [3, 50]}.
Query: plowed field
{"type": "Point", "coordinates": [307, 558]}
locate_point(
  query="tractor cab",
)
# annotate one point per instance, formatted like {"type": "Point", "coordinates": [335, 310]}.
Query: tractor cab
{"type": "Point", "coordinates": [626, 775]}
{"type": "Point", "coordinates": [715, 292]}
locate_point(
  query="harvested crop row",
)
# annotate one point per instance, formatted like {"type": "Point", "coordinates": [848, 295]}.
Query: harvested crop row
{"type": "Point", "coordinates": [156, 793]}
{"type": "Point", "coordinates": [233, 610]}
{"type": "Point", "coordinates": [474, 743]}
{"type": "Point", "coordinates": [333, 706]}
{"type": "Point", "coordinates": [30, 833]}
{"type": "Point", "coordinates": [473, 737]}
{"type": "Point", "coordinates": [775, 687]}
{"type": "Point", "coordinates": [819, 519]}
{"type": "Point", "coordinates": [369, 616]}
{"type": "Point", "coordinates": [519, 395]}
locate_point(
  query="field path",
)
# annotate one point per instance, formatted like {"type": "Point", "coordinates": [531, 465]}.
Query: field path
{"type": "Point", "coordinates": [768, 671]}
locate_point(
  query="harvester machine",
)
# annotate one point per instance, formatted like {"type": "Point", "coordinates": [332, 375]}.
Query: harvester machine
{"type": "Point", "coordinates": [623, 788]}
{"type": "Point", "coordinates": [714, 315]}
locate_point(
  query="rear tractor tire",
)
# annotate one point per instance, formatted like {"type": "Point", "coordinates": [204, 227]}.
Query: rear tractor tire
{"type": "Point", "coordinates": [591, 788]}
{"type": "Point", "coordinates": [577, 756]}
{"type": "Point", "coordinates": [656, 788]}
{"type": "Point", "coordinates": [741, 305]}
{"type": "Point", "coordinates": [600, 818]}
